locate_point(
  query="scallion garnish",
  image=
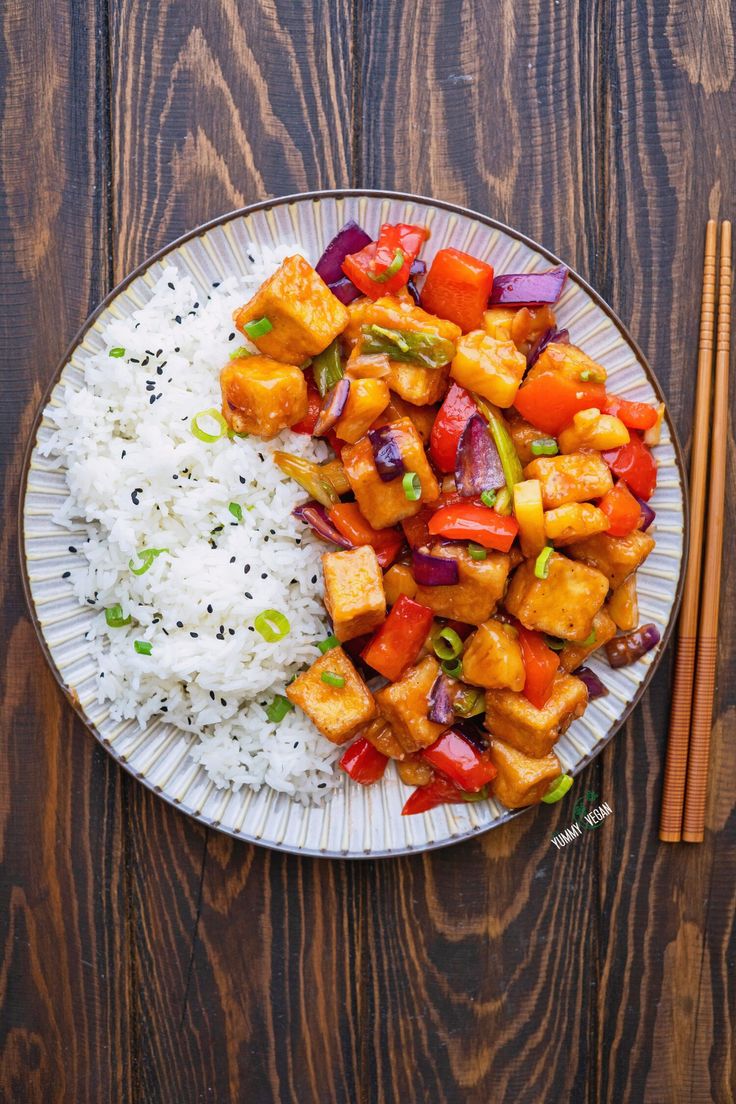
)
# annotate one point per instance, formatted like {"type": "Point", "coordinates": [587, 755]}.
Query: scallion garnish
{"type": "Point", "coordinates": [394, 336]}
{"type": "Point", "coordinates": [332, 679]}
{"type": "Point", "coordinates": [470, 702]}
{"type": "Point", "coordinates": [590, 639]}
{"type": "Point", "coordinates": [453, 667]}
{"type": "Point", "coordinates": [202, 434]}
{"type": "Point", "coordinates": [476, 552]}
{"type": "Point", "coordinates": [236, 510]}
{"type": "Point", "coordinates": [479, 795]}
{"type": "Point", "coordinates": [391, 270]}
{"type": "Point", "coordinates": [544, 446]}
{"type": "Point", "coordinates": [278, 709]}
{"type": "Point", "coordinates": [118, 352]}
{"type": "Point", "coordinates": [257, 327]}
{"type": "Point", "coordinates": [114, 616]}
{"type": "Point", "coordinates": [272, 625]}
{"type": "Point", "coordinates": [412, 486]}
{"type": "Point", "coordinates": [143, 647]}
{"type": "Point", "coordinates": [328, 644]}
{"type": "Point", "coordinates": [541, 564]}
{"type": "Point", "coordinates": [146, 556]}
{"type": "Point", "coordinates": [558, 789]}
{"type": "Point", "coordinates": [446, 643]}
{"type": "Point", "coordinates": [241, 351]}
{"type": "Point", "coordinates": [503, 502]}
{"type": "Point", "coordinates": [553, 643]}
{"type": "Point", "coordinates": [488, 498]}
{"type": "Point", "coordinates": [588, 375]}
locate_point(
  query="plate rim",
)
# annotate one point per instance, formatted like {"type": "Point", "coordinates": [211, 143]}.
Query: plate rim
{"type": "Point", "coordinates": [199, 231]}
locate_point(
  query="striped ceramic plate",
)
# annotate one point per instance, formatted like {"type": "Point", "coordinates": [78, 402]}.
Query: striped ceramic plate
{"type": "Point", "coordinates": [357, 821]}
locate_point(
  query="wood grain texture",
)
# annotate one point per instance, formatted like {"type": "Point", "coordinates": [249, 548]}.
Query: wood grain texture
{"type": "Point", "coordinates": [499, 970]}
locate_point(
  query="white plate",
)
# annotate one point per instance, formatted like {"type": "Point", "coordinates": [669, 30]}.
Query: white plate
{"type": "Point", "coordinates": [358, 822]}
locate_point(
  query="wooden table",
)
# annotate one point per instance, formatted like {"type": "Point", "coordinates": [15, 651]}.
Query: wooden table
{"type": "Point", "coordinates": [145, 959]}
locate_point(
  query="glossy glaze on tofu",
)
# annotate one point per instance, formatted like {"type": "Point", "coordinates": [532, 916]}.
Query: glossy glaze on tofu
{"type": "Point", "coordinates": [511, 717]}
{"type": "Point", "coordinates": [477, 593]}
{"type": "Point", "coordinates": [563, 604]}
{"type": "Point", "coordinates": [385, 504]}
{"type": "Point", "coordinates": [262, 396]}
{"type": "Point", "coordinates": [337, 711]}
{"type": "Point", "coordinates": [354, 595]}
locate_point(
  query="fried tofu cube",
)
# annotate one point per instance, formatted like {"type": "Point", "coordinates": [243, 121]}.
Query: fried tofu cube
{"type": "Point", "coordinates": [396, 314]}
{"type": "Point", "coordinates": [337, 711]}
{"type": "Point", "coordinates": [574, 478]}
{"type": "Point", "coordinates": [354, 596]}
{"type": "Point", "coordinates": [262, 396]}
{"type": "Point", "coordinates": [573, 655]}
{"type": "Point", "coordinates": [616, 557]}
{"type": "Point", "coordinates": [492, 657]}
{"type": "Point", "coordinates": [493, 369]}
{"type": "Point", "coordinates": [513, 718]}
{"type": "Point", "coordinates": [379, 733]}
{"type": "Point", "coordinates": [564, 604]}
{"type": "Point", "coordinates": [520, 780]}
{"type": "Point", "coordinates": [384, 504]}
{"type": "Point", "coordinates": [367, 398]}
{"type": "Point", "coordinates": [417, 385]}
{"type": "Point", "coordinates": [568, 361]}
{"type": "Point", "coordinates": [523, 435]}
{"type": "Point", "coordinates": [480, 588]}
{"type": "Point", "coordinates": [422, 416]}
{"type": "Point", "coordinates": [304, 314]}
{"type": "Point", "coordinates": [405, 704]}
{"type": "Point", "coordinates": [574, 522]}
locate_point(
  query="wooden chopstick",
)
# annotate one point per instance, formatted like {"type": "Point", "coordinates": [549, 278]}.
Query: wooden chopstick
{"type": "Point", "coordinates": [693, 825]}
{"type": "Point", "coordinates": [673, 794]}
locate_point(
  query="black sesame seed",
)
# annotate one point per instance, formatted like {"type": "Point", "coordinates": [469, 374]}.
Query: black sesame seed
{"type": "Point", "coordinates": [160, 394]}
{"type": "Point", "coordinates": [222, 628]}
{"type": "Point", "coordinates": [215, 283]}
{"type": "Point", "coordinates": [251, 258]}
{"type": "Point", "coordinates": [134, 361]}
{"type": "Point", "coordinates": [72, 548]}
{"type": "Point", "coordinates": [134, 495]}
{"type": "Point", "coordinates": [102, 674]}
{"type": "Point", "coordinates": [272, 532]}
{"type": "Point", "coordinates": [177, 349]}
{"type": "Point", "coordinates": [212, 694]}
{"type": "Point", "coordinates": [196, 305]}
{"type": "Point", "coordinates": [265, 539]}
{"type": "Point", "coordinates": [155, 620]}
{"type": "Point", "coordinates": [231, 336]}
{"type": "Point", "coordinates": [163, 630]}
{"type": "Point", "coordinates": [164, 709]}
{"type": "Point", "coordinates": [314, 578]}
{"type": "Point", "coordinates": [194, 635]}
{"type": "Point", "coordinates": [145, 362]}
{"type": "Point", "coordinates": [177, 318]}
{"type": "Point", "coordinates": [159, 352]}
{"type": "Point", "coordinates": [172, 286]}
{"type": "Point", "coordinates": [175, 477]}
{"type": "Point", "coordinates": [220, 636]}
{"type": "Point", "coordinates": [248, 594]}
{"type": "Point", "coordinates": [246, 569]}
{"type": "Point", "coordinates": [232, 631]}
{"type": "Point", "coordinates": [321, 785]}
{"type": "Point", "coordinates": [152, 400]}
{"type": "Point", "coordinates": [261, 457]}
{"type": "Point", "coordinates": [209, 609]}
{"type": "Point", "coordinates": [241, 478]}
{"type": "Point", "coordinates": [250, 629]}
{"type": "Point", "coordinates": [264, 574]}
{"type": "Point", "coordinates": [180, 624]}
{"type": "Point", "coordinates": [66, 575]}
{"type": "Point", "coordinates": [223, 702]}
{"type": "Point", "coordinates": [232, 559]}
{"type": "Point", "coordinates": [123, 454]}
{"type": "Point", "coordinates": [159, 371]}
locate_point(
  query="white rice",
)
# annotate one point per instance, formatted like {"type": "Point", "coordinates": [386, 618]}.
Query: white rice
{"type": "Point", "coordinates": [138, 478]}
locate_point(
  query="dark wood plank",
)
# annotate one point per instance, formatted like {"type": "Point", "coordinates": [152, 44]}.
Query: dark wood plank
{"type": "Point", "coordinates": [64, 1032]}
{"type": "Point", "coordinates": [666, 997]}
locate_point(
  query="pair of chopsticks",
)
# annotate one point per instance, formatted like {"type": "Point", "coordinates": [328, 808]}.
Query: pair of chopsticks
{"type": "Point", "coordinates": [691, 713]}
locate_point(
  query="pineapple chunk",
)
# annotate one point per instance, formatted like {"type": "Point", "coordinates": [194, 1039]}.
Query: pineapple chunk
{"type": "Point", "coordinates": [574, 478]}
{"type": "Point", "coordinates": [414, 771]}
{"type": "Point", "coordinates": [574, 522]}
{"type": "Point", "coordinates": [520, 780]}
{"type": "Point", "coordinates": [405, 704]}
{"type": "Point", "coordinates": [568, 361]}
{"type": "Point", "coordinates": [262, 396]}
{"type": "Point", "coordinates": [384, 504]}
{"type": "Point", "coordinates": [398, 580]}
{"type": "Point", "coordinates": [573, 655]}
{"type": "Point", "coordinates": [623, 605]}
{"type": "Point", "coordinates": [381, 735]}
{"type": "Point", "coordinates": [366, 399]}
{"type": "Point", "coordinates": [592, 430]}
{"type": "Point", "coordinates": [336, 711]}
{"type": "Point", "coordinates": [494, 369]}
{"type": "Point", "coordinates": [530, 516]}
{"type": "Point", "coordinates": [354, 596]}
{"type": "Point", "coordinates": [417, 385]}
{"type": "Point", "coordinates": [513, 718]}
{"type": "Point", "coordinates": [492, 657]}
{"type": "Point", "coordinates": [564, 604]}
{"type": "Point", "coordinates": [304, 314]}
{"type": "Point", "coordinates": [479, 590]}
{"type": "Point", "coordinates": [616, 557]}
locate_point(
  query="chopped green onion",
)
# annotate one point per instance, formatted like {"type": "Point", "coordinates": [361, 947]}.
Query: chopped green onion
{"type": "Point", "coordinates": [278, 709]}
{"type": "Point", "coordinates": [553, 643]}
{"type": "Point", "coordinates": [488, 498]}
{"type": "Point", "coordinates": [480, 795]}
{"type": "Point", "coordinates": [541, 564]}
{"type": "Point", "coordinates": [390, 270]}
{"type": "Point", "coordinates": [333, 680]}
{"type": "Point", "coordinates": [202, 434]}
{"type": "Point", "coordinates": [396, 337]}
{"type": "Point", "coordinates": [544, 446]}
{"type": "Point", "coordinates": [272, 625]}
{"type": "Point", "coordinates": [328, 644]}
{"type": "Point", "coordinates": [477, 552]}
{"type": "Point", "coordinates": [588, 374]}
{"type": "Point", "coordinates": [503, 502]}
{"type": "Point", "coordinates": [558, 789]}
{"type": "Point", "coordinates": [412, 486]}
{"type": "Point", "coordinates": [470, 702]}
{"type": "Point", "coordinates": [146, 556]}
{"type": "Point", "coordinates": [143, 647]}
{"type": "Point", "coordinates": [231, 433]}
{"type": "Point", "coordinates": [236, 510]}
{"type": "Point", "coordinates": [590, 639]}
{"type": "Point", "coordinates": [327, 368]}
{"type": "Point", "coordinates": [505, 447]}
{"type": "Point", "coordinates": [241, 351]}
{"type": "Point", "coordinates": [446, 643]}
{"type": "Point", "coordinates": [114, 616]}
{"type": "Point", "coordinates": [117, 352]}
{"type": "Point", "coordinates": [257, 327]}
{"type": "Point", "coordinates": [453, 667]}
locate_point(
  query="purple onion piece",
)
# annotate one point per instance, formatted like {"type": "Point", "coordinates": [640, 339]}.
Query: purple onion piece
{"type": "Point", "coordinates": [473, 733]}
{"type": "Point", "coordinates": [648, 514]}
{"type": "Point", "coordinates": [417, 269]}
{"type": "Point", "coordinates": [441, 710]}
{"type": "Point", "coordinates": [344, 290]}
{"type": "Point", "coordinates": [626, 649]}
{"type": "Point", "coordinates": [528, 289]}
{"type": "Point", "coordinates": [477, 463]}
{"type": "Point", "coordinates": [434, 570]}
{"type": "Point", "coordinates": [561, 337]}
{"type": "Point", "coordinates": [596, 689]}
{"type": "Point", "coordinates": [333, 405]}
{"type": "Point", "coordinates": [386, 453]}
{"type": "Point", "coordinates": [315, 516]}
{"type": "Point", "coordinates": [351, 238]}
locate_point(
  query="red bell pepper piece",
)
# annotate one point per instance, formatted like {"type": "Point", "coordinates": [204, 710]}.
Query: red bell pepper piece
{"type": "Point", "coordinates": [457, 288]}
{"type": "Point", "coordinates": [363, 762]}
{"type": "Point", "coordinates": [540, 664]}
{"type": "Point", "coordinates": [550, 400]}
{"type": "Point", "coordinates": [382, 268]}
{"type": "Point", "coordinates": [348, 520]}
{"type": "Point", "coordinates": [634, 464]}
{"type": "Point", "coordinates": [416, 528]}
{"type": "Point", "coordinates": [439, 792]}
{"type": "Point", "coordinates": [468, 521]}
{"type": "Point", "coordinates": [621, 509]}
{"type": "Point", "coordinates": [398, 642]}
{"type": "Point", "coordinates": [452, 418]}
{"type": "Point", "coordinates": [460, 762]}
{"type": "Point", "coordinates": [334, 441]}
{"type": "Point", "coordinates": [314, 405]}
{"type": "Point", "coordinates": [634, 415]}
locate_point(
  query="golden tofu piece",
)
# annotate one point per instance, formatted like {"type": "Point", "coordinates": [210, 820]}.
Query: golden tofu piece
{"type": "Point", "coordinates": [337, 711]}
{"type": "Point", "coordinates": [574, 478]}
{"type": "Point", "coordinates": [616, 557]}
{"type": "Point", "coordinates": [422, 416]}
{"type": "Point", "coordinates": [513, 718]}
{"type": "Point", "coordinates": [623, 605]}
{"type": "Point", "coordinates": [384, 504]}
{"type": "Point", "coordinates": [574, 522]}
{"type": "Point", "coordinates": [520, 780]}
{"type": "Point", "coordinates": [405, 704]}
{"type": "Point", "coordinates": [366, 399]}
{"type": "Point", "coordinates": [494, 369]}
{"type": "Point", "coordinates": [262, 396]}
{"type": "Point", "coordinates": [379, 733]}
{"type": "Point", "coordinates": [573, 655]}
{"type": "Point", "coordinates": [396, 314]}
{"type": "Point", "coordinates": [354, 596]}
{"type": "Point", "coordinates": [564, 604]}
{"type": "Point", "coordinates": [492, 657]}
{"type": "Point", "coordinates": [523, 435]}
{"type": "Point", "coordinates": [479, 590]}
{"type": "Point", "coordinates": [568, 361]}
{"type": "Point", "coordinates": [304, 314]}
{"type": "Point", "coordinates": [417, 385]}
